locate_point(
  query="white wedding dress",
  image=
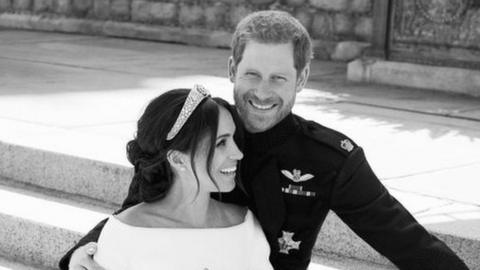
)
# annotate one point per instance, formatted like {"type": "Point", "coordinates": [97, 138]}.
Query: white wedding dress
{"type": "Point", "coordinates": [239, 247]}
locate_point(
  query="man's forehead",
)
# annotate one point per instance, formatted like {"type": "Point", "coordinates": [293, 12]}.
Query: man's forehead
{"type": "Point", "coordinates": [275, 57]}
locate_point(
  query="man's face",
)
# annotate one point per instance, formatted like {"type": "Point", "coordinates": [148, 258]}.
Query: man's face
{"type": "Point", "coordinates": [265, 84]}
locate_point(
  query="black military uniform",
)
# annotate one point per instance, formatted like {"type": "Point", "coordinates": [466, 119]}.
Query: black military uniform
{"type": "Point", "coordinates": [294, 173]}
{"type": "Point", "coordinates": [298, 170]}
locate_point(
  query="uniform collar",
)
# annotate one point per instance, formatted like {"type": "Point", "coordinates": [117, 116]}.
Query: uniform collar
{"type": "Point", "coordinates": [263, 141]}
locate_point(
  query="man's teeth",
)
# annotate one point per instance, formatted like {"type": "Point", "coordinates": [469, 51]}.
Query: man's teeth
{"type": "Point", "coordinates": [229, 170]}
{"type": "Point", "coordinates": [262, 107]}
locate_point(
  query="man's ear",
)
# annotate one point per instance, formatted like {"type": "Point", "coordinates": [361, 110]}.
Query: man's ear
{"type": "Point", "coordinates": [302, 78]}
{"type": "Point", "coordinates": [176, 159]}
{"type": "Point", "coordinates": [232, 69]}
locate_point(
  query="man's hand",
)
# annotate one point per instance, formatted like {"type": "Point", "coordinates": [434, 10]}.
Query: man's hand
{"type": "Point", "coordinates": [82, 258]}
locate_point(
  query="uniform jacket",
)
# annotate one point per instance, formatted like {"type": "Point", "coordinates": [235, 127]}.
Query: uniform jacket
{"type": "Point", "coordinates": [294, 173]}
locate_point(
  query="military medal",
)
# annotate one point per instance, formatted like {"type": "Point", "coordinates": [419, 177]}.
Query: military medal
{"type": "Point", "coordinates": [298, 190]}
{"type": "Point", "coordinates": [286, 242]}
{"type": "Point", "coordinates": [297, 177]}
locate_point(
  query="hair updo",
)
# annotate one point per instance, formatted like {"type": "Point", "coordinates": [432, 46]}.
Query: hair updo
{"type": "Point", "coordinates": [148, 151]}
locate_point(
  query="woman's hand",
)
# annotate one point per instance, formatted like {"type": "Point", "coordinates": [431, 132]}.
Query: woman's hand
{"type": "Point", "coordinates": [82, 258]}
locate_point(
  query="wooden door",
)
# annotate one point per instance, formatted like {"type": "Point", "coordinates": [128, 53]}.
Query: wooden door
{"type": "Point", "coordinates": [434, 32]}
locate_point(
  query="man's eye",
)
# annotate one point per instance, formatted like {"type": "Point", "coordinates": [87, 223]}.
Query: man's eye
{"type": "Point", "coordinates": [251, 74]}
{"type": "Point", "coordinates": [279, 79]}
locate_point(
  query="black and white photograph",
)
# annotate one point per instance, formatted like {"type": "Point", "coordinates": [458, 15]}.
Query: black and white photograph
{"type": "Point", "coordinates": [240, 134]}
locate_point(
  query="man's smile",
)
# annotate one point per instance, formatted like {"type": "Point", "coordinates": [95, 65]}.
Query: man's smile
{"type": "Point", "coordinates": [262, 107]}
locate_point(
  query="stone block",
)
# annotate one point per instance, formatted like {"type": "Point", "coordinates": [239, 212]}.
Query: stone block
{"type": "Point", "coordinates": [32, 242]}
{"type": "Point", "coordinates": [101, 9]}
{"type": "Point", "coordinates": [215, 16]}
{"type": "Point", "coordinates": [140, 11]}
{"type": "Point", "coordinates": [233, 2]}
{"type": "Point", "coordinates": [120, 9]}
{"type": "Point", "coordinates": [62, 6]}
{"type": "Point", "coordinates": [349, 50]}
{"type": "Point", "coordinates": [295, 2]}
{"type": "Point", "coordinates": [361, 6]}
{"type": "Point", "coordinates": [336, 5]}
{"type": "Point", "coordinates": [72, 174]}
{"type": "Point", "coordinates": [449, 79]}
{"type": "Point", "coordinates": [305, 17]}
{"type": "Point", "coordinates": [323, 49]}
{"type": "Point", "coordinates": [22, 5]}
{"type": "Point", "coordinates": [237, 14]}
{"type": "Point", "coordinates": [82, 8]}
{"type": "Point", "coordinates": [163, 12]}
{"type": "Point", "coordinates": [343, 24]}
{"type": "Point", "coordinates": [338, 238]}
{"type": "Point", "coordinates": [262, 2]}
{"type": "Point", "coordinates": [364, 28]}
{"type": "Point", "coordinates": [5, 5]}
{"type": "Point", "coordinates": [42, 5]}
{"type": "Point", "coordinates": [322, 25]}
{"type": "Point", "coordinates": [190, 15]}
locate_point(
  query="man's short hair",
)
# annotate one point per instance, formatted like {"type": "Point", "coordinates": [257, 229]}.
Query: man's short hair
{"type": "Point", "coordinates": [274, 27]}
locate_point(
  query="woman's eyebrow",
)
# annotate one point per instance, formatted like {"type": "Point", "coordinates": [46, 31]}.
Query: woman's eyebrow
{"type": "Point", "coordinates": [224, 135]}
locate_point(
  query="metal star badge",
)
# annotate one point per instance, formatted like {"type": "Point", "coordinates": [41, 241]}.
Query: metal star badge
{"type": "Point", "coordinates": [286, 242]}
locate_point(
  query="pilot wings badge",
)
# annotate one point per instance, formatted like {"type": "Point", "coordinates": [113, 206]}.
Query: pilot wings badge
{"type": "Point", "coordinates": [297, 176]}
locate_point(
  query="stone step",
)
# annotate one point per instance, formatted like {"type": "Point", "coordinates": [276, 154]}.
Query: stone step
{"type": "Point", "coordinates": [8, 264]}
{"type": "Point", "coordinates": [65, 161]}
{"type": "Point", "coordinates": [337, 238]}
{"type": "Point", "coordinates": [326, 261]}
{"type": "Point", "coordinates": [37, 227]}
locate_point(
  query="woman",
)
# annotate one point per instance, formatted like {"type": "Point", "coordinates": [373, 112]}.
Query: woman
{"type": "Point", "coordinates": [183, 151]}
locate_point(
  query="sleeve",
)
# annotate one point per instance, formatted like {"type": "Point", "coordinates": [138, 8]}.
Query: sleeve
{"type": "Point", "coordinates": [364, 204]}
{"type": "Point", "coordinates": [92, 235]}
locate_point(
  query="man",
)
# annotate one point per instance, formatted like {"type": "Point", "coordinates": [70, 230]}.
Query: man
{"type": "Point", "coordinates": [294, 171]}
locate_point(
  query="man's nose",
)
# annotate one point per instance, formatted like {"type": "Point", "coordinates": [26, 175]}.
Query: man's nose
{"type": "Point", "coordinates": [264, 89]}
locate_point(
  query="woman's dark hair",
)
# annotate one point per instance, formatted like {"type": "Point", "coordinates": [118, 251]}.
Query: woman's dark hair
{"type": "Point", "coordinates": [148, 151]}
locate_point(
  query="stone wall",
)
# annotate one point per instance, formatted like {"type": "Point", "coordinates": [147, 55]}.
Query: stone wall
{"type": "Point", "coordinates": [330, 22]}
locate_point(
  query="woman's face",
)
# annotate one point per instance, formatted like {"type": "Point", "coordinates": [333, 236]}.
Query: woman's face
{"type": "Point", "coordinates": [225, 157]}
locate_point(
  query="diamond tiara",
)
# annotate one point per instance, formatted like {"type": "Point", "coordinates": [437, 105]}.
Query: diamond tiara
{"type": "Point", "coordinates": [196, 95]}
